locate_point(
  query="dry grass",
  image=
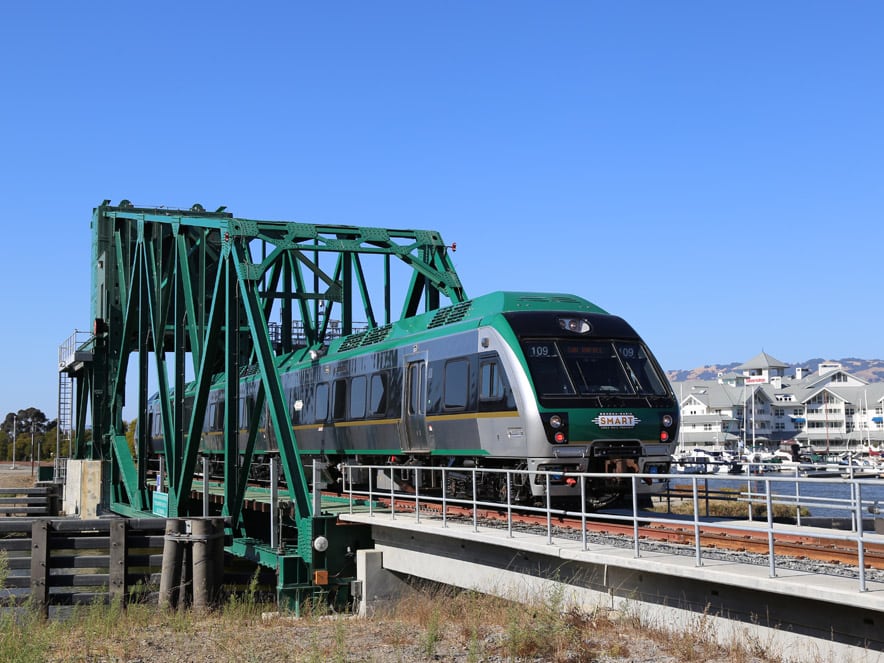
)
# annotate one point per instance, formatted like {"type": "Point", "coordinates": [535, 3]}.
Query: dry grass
{"type": "Point", "coordinates": [727, 506]}
{"type": "Point", "coordinates": [430, 625]}
{"type": "Point", "coordinates": [20, 477]}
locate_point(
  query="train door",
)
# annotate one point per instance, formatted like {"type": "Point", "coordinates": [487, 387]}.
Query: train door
{"type": "Point", "coordinates": [414, 404]}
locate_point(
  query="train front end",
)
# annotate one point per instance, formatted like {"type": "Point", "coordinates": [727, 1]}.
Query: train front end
{"type": "Point", "coordinates": [603, 405]}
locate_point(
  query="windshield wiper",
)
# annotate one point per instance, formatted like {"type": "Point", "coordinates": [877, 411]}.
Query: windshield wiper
{"type": "Point", "coordinates": [636, 383]}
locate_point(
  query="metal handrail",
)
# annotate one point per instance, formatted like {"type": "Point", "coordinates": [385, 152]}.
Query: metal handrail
{"type": "Point", "coordinates": [855, 505]}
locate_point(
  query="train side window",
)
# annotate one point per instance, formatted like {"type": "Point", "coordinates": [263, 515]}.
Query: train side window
{"type": "Point", "coordinates": [457, 381]}
{"type": "Point", "coordinates": [188, 411]}
{"type": "Point", "coordinates": [377, 405]}
{"type": "Point", "coordinates": [321, 409]}
{"type": "Point", "coordinates": [358, 389]}
{"type": "Point", "coordinates": [416, 387]}
{"type": "Point", "coordinates": [339, 403]}
{"type": "Point", "coordinates": [490, 381]}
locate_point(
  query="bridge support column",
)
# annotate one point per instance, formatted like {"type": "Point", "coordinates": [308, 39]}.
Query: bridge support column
{"type": "Point", "coordinates": [377, 587]}
{"type": "Point", "coordinates": [170, 575]}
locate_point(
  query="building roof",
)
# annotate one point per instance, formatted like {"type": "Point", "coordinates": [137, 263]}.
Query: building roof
{"type": "Point", "coordinates": [762, 360]}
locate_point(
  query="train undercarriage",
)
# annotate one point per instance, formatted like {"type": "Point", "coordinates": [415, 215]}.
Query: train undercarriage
{"type": "Point", "coordinates": [503, 481]}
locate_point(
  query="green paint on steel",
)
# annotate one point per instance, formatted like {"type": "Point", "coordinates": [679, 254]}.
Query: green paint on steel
{"type": "Point", "coordinates": [189, 292]}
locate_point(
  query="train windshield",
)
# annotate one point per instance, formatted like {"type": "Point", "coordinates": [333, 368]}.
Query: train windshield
{"type": "Point", "coordinates": [592, 367]}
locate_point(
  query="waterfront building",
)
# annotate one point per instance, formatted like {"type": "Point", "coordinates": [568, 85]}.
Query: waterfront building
{"type": "Point", "coordinates": [759, 406]}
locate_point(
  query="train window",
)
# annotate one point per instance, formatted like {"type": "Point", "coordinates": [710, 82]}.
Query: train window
{"type": "Point", "coordinates": [416, 387]}
{"type": "Point", "coordinates": [188, 411]}
{"type": "Point", "coordinates": [358, 389]}
{"type": "Point", "coordinates": [547, 369]}
{"type": "Point", "coordinates": [594, 367]}
{"type": "Point", "coordinates": [457, 382]}
{"type": "Point", "coordinates": [640, 369]}
{"type": "Point", "coordinates": [339, 403]}
{"type": "Point", "coordinates": [490, 380]}
{"type": "Point", "coordinates": [321, 402]}
{"type": "Point", "coordinates": [377, 404]}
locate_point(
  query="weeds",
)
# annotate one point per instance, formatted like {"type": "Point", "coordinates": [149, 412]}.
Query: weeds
{"type": "Point", "coordinates": [4, 568]}
{"type": "Point", "coordinates": [728, 506]}
{"type": "Point", "coordinates": [430, 624]}
{"type": "Point", "coordinates": [432, 635]}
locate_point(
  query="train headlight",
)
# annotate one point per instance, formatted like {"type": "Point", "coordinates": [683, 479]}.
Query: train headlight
{"type": "Point", "coordinates": [320, 544]}
{"type": "Point", "coordinates": [575, 325]}
{"type": "Point", "coordinates": [667, 420]}
{"type": "Point", "coordinates": [556, 427]}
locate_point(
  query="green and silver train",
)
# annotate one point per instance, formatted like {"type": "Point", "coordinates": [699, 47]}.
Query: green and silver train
{"type": "Point", "coordinates": [509, 380]}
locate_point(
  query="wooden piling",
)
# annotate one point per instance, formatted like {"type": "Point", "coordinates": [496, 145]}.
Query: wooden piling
{"type": "Point", "coordinates": [170, 575]}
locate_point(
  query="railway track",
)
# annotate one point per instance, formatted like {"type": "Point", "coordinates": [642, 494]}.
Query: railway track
{"type": "Point", "coordinates": [718, 537]}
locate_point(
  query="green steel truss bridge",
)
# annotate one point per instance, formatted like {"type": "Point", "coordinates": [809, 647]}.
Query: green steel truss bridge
{"type": "Point", "coordinates": [181, 296]}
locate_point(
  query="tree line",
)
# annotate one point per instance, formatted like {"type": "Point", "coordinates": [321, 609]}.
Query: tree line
{"type": "Point", "coordinates": [35, 436]}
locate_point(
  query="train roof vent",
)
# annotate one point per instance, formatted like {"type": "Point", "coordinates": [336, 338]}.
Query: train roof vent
{"type": "Point", "coordinates": [376, 335]}
{"type": "Point", "coordinates": [369, 337]}
{"type": "Point", "coordinates": [449, 314]}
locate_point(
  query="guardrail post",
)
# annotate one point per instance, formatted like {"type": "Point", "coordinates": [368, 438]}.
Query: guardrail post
{"type": "Point", "coordinates": [696, 499]}
{"type": "Point", "coordinates": [205, 486]}
{"type": "Point", "coordinates": [317, 489]}
{"type": "Point", "coordinates": [770, 533]}
{"type": "Point", "coordinates": [509, 504]}
{"type": "Point", "coordinates": [417, 495]}
{"type": "Point", "coordinates": [635, 516]}
{"type": "Point", "coordinates": [583, 537]}
{"type": "Point", "coordinates": [444, 499]}
{"type": "Point", "coordinates": [860, 547]}
{"type": "Point", "coordinates": [117, 561]}
{"type": "Point", "coordinates": [475, 503]}
{"type": "Point", "coordinates": [274, 503]}
{"type": "Point", "coordinates": [40, 566]}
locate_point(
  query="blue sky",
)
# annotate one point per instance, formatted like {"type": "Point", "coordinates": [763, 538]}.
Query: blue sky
{"type": "Point", "coordinates": [711, 171]}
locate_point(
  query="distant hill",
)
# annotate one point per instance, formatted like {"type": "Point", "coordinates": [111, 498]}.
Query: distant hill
{"type": "Point", "coordinates": [871, 370]}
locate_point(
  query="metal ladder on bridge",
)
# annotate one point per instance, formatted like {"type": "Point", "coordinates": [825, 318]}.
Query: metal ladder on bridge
{"type": "Point", "coordinates": [64, 428]}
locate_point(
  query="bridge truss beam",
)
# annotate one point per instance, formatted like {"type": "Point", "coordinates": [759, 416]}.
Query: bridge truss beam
{"type": "Point", "coordinates": [187, 295]}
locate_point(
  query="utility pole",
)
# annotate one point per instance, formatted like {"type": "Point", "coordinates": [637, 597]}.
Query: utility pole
{"type": "Point", "coordinates": [14, 422]}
